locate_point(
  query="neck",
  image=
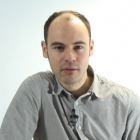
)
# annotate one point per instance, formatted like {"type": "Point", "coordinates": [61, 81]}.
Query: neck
{"type": "Point", "coordinates": [79, 89]}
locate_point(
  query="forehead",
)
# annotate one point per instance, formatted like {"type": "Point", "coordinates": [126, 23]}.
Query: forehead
{"type": "Point", "coordinates": [67, 26]}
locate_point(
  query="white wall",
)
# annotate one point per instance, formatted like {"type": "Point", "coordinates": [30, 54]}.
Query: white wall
{"type": "Point", "coordinates": [115, 29]}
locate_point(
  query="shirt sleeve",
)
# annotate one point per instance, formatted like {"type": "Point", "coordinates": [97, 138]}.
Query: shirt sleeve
{"type": "Point", "coordinates": [132, 131]}
{"type": "Point", "coordinates": [21, 118]}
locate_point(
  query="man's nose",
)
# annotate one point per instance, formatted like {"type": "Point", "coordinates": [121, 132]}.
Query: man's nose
{"type": "Point", "coordinates": [69, 56]}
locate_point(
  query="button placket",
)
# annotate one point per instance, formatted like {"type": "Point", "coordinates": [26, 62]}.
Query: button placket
{"type": "Point", "coordinates": [77, 108]}
{"type": "Point", "coordinates": [79, 127]}
{"type": "Point", "coordinates": [77, 112]}
{"type": "Point", "coordinates": [76, 103]}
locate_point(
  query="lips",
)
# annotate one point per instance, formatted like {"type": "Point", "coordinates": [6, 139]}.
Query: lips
{"type": "Point", "coordinates": [69, 69]}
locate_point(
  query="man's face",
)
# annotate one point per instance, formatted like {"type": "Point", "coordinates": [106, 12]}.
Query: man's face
{"type": "Point", "coordinates": [68, 49]}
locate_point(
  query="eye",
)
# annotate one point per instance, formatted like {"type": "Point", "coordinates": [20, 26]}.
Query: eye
{"type": "Point", "coordinates": [59, 48]}
{"type": "Point", "coordinates": [78, 47]}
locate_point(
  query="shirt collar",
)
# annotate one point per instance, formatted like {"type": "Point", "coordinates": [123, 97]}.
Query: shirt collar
{"type": "Point", "coordinates": [57, 87]}
{"type": "Point", "coordinates": [99, 86]}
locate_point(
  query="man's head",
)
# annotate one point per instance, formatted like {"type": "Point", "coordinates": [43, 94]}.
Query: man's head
{"type": "Point", "coordinates": [68, 48]}
{"type": "Point", "coordinates": [56, 14]}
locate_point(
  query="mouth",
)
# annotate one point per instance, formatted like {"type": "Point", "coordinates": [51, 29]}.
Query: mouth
{"type": "Point", "coordinates": [69, 69]}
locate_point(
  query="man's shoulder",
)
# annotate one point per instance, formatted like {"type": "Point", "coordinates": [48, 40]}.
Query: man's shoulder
{"type": "Point", "coordinates": [119, 91]}
{"type": "Point", "coordinates": [111, 83]}
{"type": "Point", "coordinates": [44, 75]}
{"type": "Point", "coordinates": [40, 79]}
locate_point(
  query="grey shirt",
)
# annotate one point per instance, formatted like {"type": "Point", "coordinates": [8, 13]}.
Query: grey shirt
{"type": "Point", "coordinates": [41, 109]}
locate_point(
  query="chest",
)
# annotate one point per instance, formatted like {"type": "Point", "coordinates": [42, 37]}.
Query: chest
{"type": "Point", "coordinates": [97, 119]}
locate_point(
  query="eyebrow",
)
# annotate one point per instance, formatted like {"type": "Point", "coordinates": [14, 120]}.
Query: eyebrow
{"type": "Point", "coordinates": [75, 43]}
{"type": "Point", "coordinates": [79, 42]}
{"type": "Point", "coordinates": [57, 43]}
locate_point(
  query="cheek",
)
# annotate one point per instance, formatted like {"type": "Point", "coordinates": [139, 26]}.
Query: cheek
{"type": "Point", "coordinates": [84, 56]}
{"type": "Point", "coordinates": [54, 58]}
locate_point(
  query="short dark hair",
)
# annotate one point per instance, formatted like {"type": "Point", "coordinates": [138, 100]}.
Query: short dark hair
{"type": "Point", "coordinates": [56, 14]}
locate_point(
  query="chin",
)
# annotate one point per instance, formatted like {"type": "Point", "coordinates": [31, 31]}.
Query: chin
{"type": "Point", "coordinates": [69, 81]}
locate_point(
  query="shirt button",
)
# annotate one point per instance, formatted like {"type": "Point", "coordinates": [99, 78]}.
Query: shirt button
{"type": "Point", "coordinates": [76, 103]}
{"type": "Point", "coordinates": [79, 127]}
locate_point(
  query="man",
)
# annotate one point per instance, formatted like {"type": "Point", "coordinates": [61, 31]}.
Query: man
{"type": "Point", "coordinates": [71, 102]}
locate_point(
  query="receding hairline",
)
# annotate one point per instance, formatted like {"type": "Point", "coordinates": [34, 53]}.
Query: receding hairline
{"type": "Point", "coordinates": [67, 16]}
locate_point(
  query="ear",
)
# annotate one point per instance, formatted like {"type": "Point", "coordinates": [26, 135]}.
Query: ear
{"type": "Point", "coordinates": [44, 49]}
{"type": "Point", "coordinates": [91, 47]}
